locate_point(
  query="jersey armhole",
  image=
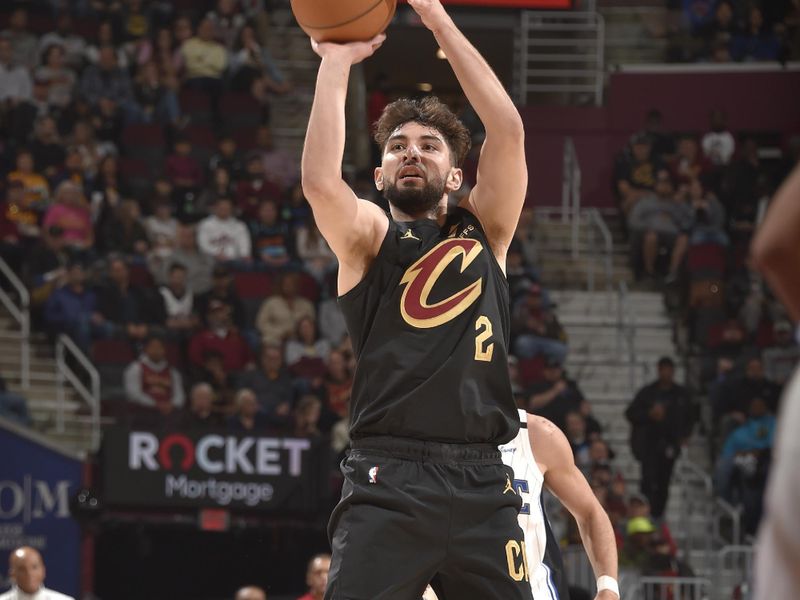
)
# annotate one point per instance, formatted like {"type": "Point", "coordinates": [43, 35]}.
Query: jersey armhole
{"type": "Point", "coordinates": [373, 268]}
{"type": "Point", "coordinates": [495, 264]}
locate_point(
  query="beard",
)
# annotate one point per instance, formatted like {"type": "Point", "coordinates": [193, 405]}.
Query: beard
{"type": "Point", "coordinates": [415, 200]}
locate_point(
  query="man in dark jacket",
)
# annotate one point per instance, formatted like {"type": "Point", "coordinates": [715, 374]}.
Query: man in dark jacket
{"type": "Point", "coordinates": [662, 418]}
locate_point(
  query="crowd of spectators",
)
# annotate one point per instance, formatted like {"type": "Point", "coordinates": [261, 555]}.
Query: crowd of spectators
{"type": "Point", "coordinates": [724, 31]}
{"type": "Point", "coordinates": [691, 203]}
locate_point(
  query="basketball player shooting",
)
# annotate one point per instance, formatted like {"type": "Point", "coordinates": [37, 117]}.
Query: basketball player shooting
{"type": "Point", "coordinates": [426, 496]}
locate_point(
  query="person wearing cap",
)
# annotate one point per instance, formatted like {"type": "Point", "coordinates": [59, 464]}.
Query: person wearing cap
{"type": "Point", "coordinates": [27, 573]}
{"type": "Point", "coordinates": [538, 331]}
{"type": "Point", "coordinates": [221, 336]}
{"type": "Point", "coordinates": [223, 289]}
{"type": "Point", "coordinates": [635, 173]}
{"type": "Point", "coordinates": [639, 538]}
{"type": "Point", "coordinates": [662, 417]}
{"type": "Point", "coordinates": [554, 396]}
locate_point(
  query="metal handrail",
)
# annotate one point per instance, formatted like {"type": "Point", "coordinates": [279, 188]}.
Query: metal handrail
{"type": "Point", "coordinates": [726, 509]}
{"type": "Point", "coordinates": [626, 324]}
{"type": "Point", "coordinates": [737, 560]}
{"type": "Point", "coordinates": [596, 219]}
{"type": "Point", "coordinates": [689, 472]}
{"type": "Point", "coordinates": [64, 346]}
{"type": "Point", "coordinates": [21, 314]}
{"type": "Point", "coordinates": [569, 166]}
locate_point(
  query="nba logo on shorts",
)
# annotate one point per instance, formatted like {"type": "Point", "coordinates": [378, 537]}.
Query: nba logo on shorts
{"type": "Point", "coordinates": [373, 475]}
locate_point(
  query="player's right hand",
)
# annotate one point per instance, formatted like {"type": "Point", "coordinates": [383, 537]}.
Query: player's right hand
{"type": "Point", "coordinates": [351, 52]}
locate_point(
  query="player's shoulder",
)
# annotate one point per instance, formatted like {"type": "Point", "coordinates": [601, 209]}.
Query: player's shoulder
{"type": "Point", "coordinates": [541, 426]}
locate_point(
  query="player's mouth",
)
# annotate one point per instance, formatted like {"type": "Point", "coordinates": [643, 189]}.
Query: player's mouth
{"type": "Point", "coordinates": [410, 173]}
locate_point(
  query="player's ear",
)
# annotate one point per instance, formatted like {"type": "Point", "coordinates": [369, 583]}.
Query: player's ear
{"type": "Point", "coordinates": [454, 179]}
{"type": "Point", "coordinates": [379, 178]}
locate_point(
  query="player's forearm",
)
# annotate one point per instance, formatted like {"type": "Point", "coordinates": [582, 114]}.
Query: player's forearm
{"type": "Point", "coordinates": [599, 541]}
{"type": "Point", "coordinates": [480, 84]}
{"type": "Point", "coordinates": [776, 248]}
{"type": "Point", "coordinates": [325, 137]}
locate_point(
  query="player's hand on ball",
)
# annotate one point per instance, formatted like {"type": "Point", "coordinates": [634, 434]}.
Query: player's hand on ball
{"type": "Point", "coordinates": [431, 12]}
{"type": "Point", "coordinates": [352, 52]}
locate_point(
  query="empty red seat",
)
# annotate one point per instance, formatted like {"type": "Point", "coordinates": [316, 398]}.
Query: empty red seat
{"type": "Point", "coordinates": [252, 284]}
{"type": "Point", "coordinates": [143, 135]}
{"type": "Point", "coordinates": [116, 352]}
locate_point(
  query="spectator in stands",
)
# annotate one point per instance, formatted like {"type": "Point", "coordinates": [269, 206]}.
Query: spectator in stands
{"type": "Point", "coordinates": [223, 289]}
{"type": "Point", "coordinates": [134, 21]}
{"type": "Point", "coordinates": [757, 42]}
{"type": "Point", "coordinates": [201, 414]}
{"type": "Point", "coordinates": [23, 43]}
{"type": "Point", "coordinates": [248, 417]}
{"type": "Point", "coordinates": [178, 301]}
{"type": "Point", "coordinates": [20, 213]}
{"type": "Point", "coordinates": [12, 250]}
{"type": "Point", "coordinates": [198, 265]}
{"type": "Point", "coordinates": [279, 165]}
{"type": "Point", "coordinates": [91, 151]}
{"type": "Point", "coordinates": [297, 211]}
{"type": "Point", "coordinates": [47, 147]}
{"type": "Point", "coordinates": [131, 309]}
{"type": "Point", "coordinates": [555, 396]}
{"type": "Point", "coordinates": [37, 191]}
{"type": "Point", "coordinates": [222, 381]}
{"type": "Point", "coordinates": [254, 187]}
{"type": "Point", "coordinates": [538, 331]}
{"type": "Point", "coordinates": [330, 318]}
{"type": "Point", "coordinates": [107, 80]}
{"type": "Point", "coordinates": [272, 241]}
{"type": "Point", "coordinates": [151, 381]}
{"type": "Point", "coordinates": [60, 77]}
{"type": "Point", "coordinates": [125, 232]}
{"type": "Point", "coordinates": [220, 186]}
{"type": "Point", "coordinates": [719, 144]}
{"type": "Point", "coordinates": [662, 143]}
{"type": "Point", "coordinates": [223, 236]}
{"type": "Point", "coordinates": [317, 256]}
{"type": "Point", "coordinates": [23, 113]}
{"type": "Point", "coordinates": [221, 336]}
{"type": "Point", "coordinates": [306, 417]}
{"type": "Point", "coordinates": [782, 354]}
{"type": "Point", "coordinates": [272, 385]}
{"type": "Point", "coordinates": [306, 344]}
{"type": "Point", "coordinates": [205, 61]}
{"type": "Point", "coordinates": [161, 228]}
{"type": "Point", "coordinates": [575, 430]}
{"type": "Point", "coordinates": [637, 552]}
{"type": "Point", "coordinates": [250, 592]}
{"type": "Point", "coordinates": [183, 170]}
{"type": "Point", "coordinates": [317, 577]}
{"type": "Point", "coordinates": [109, 118]}
{"type": "Point", "coordinates": [72, 170]}
{"type": "Point", "coordinates": [635, 172]}
{"type": "Point", "coordinates": [639, 506]}
{"type": "Point", "coordinates": [45, 268]}
{"type": "Point", "coordinates": [520, 274]}
{"type": "Point", "coordinates": [689, 163]}
{"type": "Point", "coordinates": [337, 385]}
{"type": "Point", "coordinates": [72, 309]}
{"type": "Point", "coordinates": [106, 38]}
{"type": "Point", "coordinates": [708, 215]}
{"type": "Point", "coordinates": [13, 406]}
{"type": "Point", "coordinates": [71, 213]}
{"type": "Point", "coordinates": [741, 390]}
{"type": "Point", "coordinates": [741, 471]}
{"type": "Point", "coordinates": [27, 574]}
{"type": "Point", "coordinates": [253, 68]}
{"type": "Point", "coordinates": [279, 315]}
{"type": "Point", "coordinates": [662, 418]}
{"type": "Point", "coordinates": [722, 28]}
{"type": "Point", "coordinates": [227, 159]}
{"type": "Point", "coordinates": [660, 219]}
{"type": "Point", "coordinates": [74, 45]}
{"type": "Point", "coordinates": [228, 21]}
{"type": "Point", "coordinates": [15, 82]}
{"type": "Point", "coordinates": [156, 102]}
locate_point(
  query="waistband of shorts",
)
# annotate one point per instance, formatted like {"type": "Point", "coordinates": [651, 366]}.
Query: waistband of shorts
{"type": "Point", "coordinates": [425, 451]}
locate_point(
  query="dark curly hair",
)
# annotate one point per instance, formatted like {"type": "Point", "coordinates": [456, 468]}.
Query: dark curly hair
{"type": "Point", "coordinates": [430, 112]}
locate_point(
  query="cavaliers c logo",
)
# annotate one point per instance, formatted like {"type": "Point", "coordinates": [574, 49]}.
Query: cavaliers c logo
{"type": "Point", "coordinates": [422, 276]}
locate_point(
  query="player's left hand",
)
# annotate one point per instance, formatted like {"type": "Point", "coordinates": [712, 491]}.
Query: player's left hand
{"type": "Point", "coordinates": [606, 595]}
{"type": "Point", "coordinates": [431, 12]}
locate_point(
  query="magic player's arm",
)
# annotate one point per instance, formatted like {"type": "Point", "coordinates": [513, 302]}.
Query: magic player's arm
{"type": "Point", "coordinates": [776, 247]}
{"type": "Point", "coordinates": [499, 193]}
{"type": "Point", "coordinates": [353, 227]}
{"type": "Point", "coordinates": [561, 476]}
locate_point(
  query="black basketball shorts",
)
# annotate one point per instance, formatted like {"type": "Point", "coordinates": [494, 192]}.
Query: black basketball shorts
{"type": "Point", "coordinates": [415, 512]}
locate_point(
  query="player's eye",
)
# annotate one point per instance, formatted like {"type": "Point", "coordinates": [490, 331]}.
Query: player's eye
{"type": "Point", "coordinates": [397, 146]}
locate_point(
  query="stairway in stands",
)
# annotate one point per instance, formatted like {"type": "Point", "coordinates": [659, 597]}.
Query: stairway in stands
{"type": "Point", "coordinates": [42, 393]}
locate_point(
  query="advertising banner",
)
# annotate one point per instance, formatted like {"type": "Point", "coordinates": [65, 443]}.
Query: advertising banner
{"type": "Point", "coordinates": [210, 469]}
{"type": "Point", "coordinates": [36, 484]}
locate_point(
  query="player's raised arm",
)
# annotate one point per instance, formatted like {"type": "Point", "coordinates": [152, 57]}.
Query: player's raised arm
{"type": "Point", "coordinates": [564, 479]}
{"type": "Point", "coordinates": [499, 194]}
{"type": "Point", "coordinates": [354, 228]}
{"type": "Point", "coordinates": [776, 248]}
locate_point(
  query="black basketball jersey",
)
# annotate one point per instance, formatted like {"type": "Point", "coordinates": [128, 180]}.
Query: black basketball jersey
{"type": "Point", "coordinates": [430, 330]}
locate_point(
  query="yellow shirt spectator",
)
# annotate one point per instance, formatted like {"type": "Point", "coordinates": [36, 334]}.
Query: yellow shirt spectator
{"type": "Point", "coordinates": [202, 55]}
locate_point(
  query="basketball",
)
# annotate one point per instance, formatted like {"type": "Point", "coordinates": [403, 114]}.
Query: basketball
{"type": "Point", "coordinates": [343, 20]}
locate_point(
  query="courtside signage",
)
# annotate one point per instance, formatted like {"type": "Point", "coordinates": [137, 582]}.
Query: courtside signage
{"type": "Point", "coordinates": [210, 470]}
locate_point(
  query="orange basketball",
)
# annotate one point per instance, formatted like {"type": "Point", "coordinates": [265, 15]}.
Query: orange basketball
{"type": "Point", "coordinates": [343, 20]}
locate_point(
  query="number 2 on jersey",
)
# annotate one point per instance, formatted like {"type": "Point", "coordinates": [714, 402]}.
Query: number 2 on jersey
{"type": "Point", "coordinates": [483, 351]}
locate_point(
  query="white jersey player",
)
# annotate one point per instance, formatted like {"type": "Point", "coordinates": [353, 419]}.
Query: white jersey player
{"type": "Point", "coordinates": [541, 456]}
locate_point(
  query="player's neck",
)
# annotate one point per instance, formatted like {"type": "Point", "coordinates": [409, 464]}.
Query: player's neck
{"type": "Point", "coordinates": [438, 213]}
